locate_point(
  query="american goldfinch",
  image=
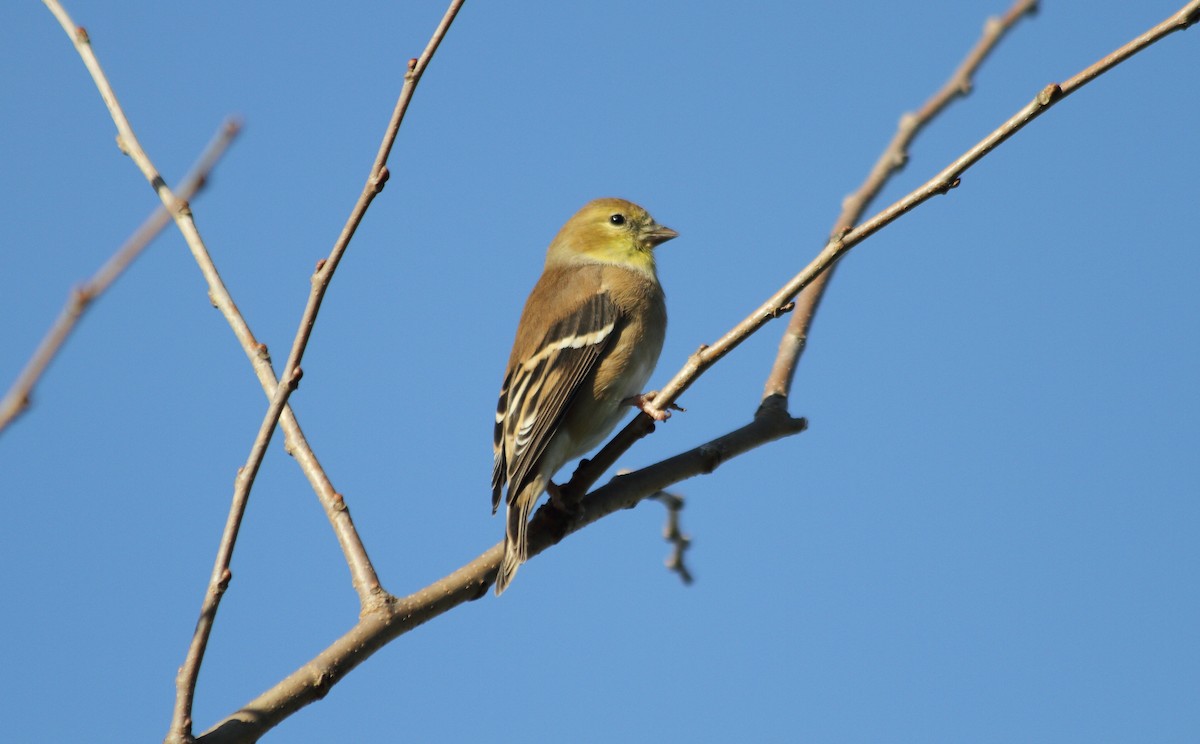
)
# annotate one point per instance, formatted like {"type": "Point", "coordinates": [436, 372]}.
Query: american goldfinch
{"type": "Point", "coordinates": [589, 337]}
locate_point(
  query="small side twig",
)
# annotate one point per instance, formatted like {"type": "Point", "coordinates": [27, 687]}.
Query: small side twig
{"type": "Point", "coordinates": [17, 400]}
{"type": "Point", "coordinates": [891, 162]}
{"type": "Point", "coordinates": [674, 535]}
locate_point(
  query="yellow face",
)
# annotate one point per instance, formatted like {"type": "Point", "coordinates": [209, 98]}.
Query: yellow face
{"type": "Point", "coordinates": [611, 231]}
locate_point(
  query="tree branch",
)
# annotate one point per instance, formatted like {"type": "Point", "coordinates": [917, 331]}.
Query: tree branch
{"type": "Point", "coordinates": [378, 627]}
{"type": "Point", "coordinates": [376, 180]}
{"type": "Point", "coordinates": [891, 162]}
{"type": "Point", "coordinates": [17, 400]}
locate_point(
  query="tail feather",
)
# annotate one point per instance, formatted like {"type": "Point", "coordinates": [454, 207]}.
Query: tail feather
{"type": "Point", "coordinates": [508, 568]}
{"type": "Point", "coordinates": [516, 533]}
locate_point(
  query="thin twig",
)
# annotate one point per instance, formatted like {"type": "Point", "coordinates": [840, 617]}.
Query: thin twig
{"type": "Point", "coordinates": [672, 532]}
{"type": "Point", "coordinates": [17, 400]}
{"type": "Point", "coordinates": [674, 535]}
{"type": "Point", "coordinates": [893, 159]}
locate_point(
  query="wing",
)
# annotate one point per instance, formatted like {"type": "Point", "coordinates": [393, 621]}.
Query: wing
{"type": "Point", "coordinates": [538, 390]}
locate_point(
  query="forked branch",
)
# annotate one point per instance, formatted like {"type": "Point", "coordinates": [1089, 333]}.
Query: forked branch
{"type": "Point", "coordinates": [891, 162]}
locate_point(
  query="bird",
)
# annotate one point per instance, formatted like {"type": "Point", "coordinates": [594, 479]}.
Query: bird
{"type": "Point", "coordinates": [589, 337]}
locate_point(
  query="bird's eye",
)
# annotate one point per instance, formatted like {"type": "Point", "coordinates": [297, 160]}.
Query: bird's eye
{"type": "Point", "coordinates": [617, 219]}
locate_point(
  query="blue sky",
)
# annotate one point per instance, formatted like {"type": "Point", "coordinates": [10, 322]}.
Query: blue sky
{"type": "Point", "coordinates": [988, 534]}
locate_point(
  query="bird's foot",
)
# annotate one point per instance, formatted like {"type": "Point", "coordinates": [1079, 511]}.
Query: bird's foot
{"type": "Point", "coordinates": [642, 403]}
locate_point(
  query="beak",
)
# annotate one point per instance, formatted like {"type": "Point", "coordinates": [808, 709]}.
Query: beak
{"type": "Point", "coordinates": [656, 234]}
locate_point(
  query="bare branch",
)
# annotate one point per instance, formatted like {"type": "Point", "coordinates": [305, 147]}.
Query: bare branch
{"type": "Point", "coordinates": [891, 162]}
{"type": "Point", "coordinates": [17, 400]}
{"type": "Point", "coordinates": [378, 627]}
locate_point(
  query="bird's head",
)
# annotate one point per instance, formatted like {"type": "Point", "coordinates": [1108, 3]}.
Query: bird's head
{"type": "Point", "coordinates": [612, 231]}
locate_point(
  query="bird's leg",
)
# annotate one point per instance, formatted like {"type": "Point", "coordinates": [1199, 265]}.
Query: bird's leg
{"type": "Point", "coordinates": [642, 403]}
